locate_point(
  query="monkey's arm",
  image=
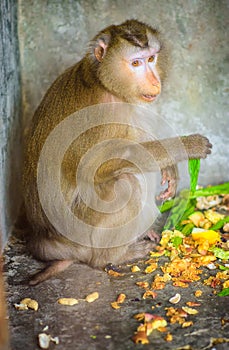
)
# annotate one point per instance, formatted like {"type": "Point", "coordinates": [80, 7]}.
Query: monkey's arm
{"type": "Point", "coordinates": [159, 155]}
{"type": "Point", "coordinates": [171, 151]}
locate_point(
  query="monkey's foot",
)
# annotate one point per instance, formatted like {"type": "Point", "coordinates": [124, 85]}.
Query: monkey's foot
{"type": "Point", "coordinates": [153, 236]}
{"type": "Point", "coordinates": [55, 267]}
{"type": "Point", "coordinates": [139, 250]}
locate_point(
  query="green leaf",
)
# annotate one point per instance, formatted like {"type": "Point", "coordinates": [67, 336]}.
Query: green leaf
{"type": "Point", "coordinates": [210, 191]}
{"type": "Point", "coordinates": [224, 268]}
{"type": "Point", "coordinates": [187, 229]}
{"type": "Point", "coordinates": [176, 241]}
{"type": "Point", "coordinates": [220, 223]}
{"type": "Point", "coordinates": [180, 212]}
{"type": "Point", "coordinates": [193, 168]}
{"type": "Point", "coordinates": [219, 253]}
{"type": "Point", "coordinates": [223, 292]}
{"type": "Point", "coordinates": [190, 208]}
{"type": "Point", "coordinates": [166, 205]}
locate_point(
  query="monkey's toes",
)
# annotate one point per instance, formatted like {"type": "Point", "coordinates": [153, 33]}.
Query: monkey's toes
{"type": "Point", "coordinates": [153, 236]}
{"type": "Point", "coordinates": [51, 270]}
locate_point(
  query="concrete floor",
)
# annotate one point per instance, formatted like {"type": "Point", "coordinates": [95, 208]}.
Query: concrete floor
{"type": "Point", "coordinates": [90, 326]}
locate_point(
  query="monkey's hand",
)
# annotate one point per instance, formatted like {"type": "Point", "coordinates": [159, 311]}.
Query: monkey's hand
{"type": "Point", "coordinates": [169, 174]}
{"type": "Point", "coordinates": [197, 146]}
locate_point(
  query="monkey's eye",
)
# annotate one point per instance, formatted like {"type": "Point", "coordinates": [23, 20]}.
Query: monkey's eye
{"type": "Point", "coordinates": [135, 63]}
{"type": "Point", "coordinates": [152, 58]}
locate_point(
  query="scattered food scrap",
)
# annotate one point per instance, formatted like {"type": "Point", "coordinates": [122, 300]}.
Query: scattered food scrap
{"type": "Point", "coordinates": [198, 293]}
{"type": "Point", "coordinates": [113, 270]}
{"type": "Point", "coordinates": [68, 301]}
{"type": "Point", "coordinates": [149, 294]}
{"type": "Point", "coordinates": [26, 304]}
{"type": "Point", "coordinates": [151, 267]}
{"type": "Point", "coordinates": [115, 273]}
{"type": "Point", "coordinates": [120, 299]}
{"type": "Point", "coordinates": [135, 268]}
{"type": "Point", "coordinates": [195, 240]}
{"type": "Point", "coordinates": [92, 297]}
{"type": "Point", "coordinates": [150, 322]}
{"type": "Point", "coordinates": [168, 337]}
{"type": "Point", "coordinates": [143, 284]}
{"type": "Point", "coordinates": [45, 339]}
{"type": "Point", "coordinates": [192, 303]}
{"type": "Point", "coordinates": [175, 299]}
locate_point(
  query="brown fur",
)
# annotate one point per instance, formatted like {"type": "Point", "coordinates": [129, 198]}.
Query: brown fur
{"type": "Point", "coordinates": [99, 77]}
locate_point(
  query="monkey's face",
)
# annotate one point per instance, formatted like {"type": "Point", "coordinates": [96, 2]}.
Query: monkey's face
{"type": "Point", "coordinates": [131, 73]}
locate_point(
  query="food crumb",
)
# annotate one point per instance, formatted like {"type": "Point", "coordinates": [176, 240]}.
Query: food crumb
{"type": "Point", "coordinates": [92, 297]}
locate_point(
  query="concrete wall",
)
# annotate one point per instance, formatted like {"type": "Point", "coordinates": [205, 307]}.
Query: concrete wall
{"type": "Point", "coordinates": [10, 114]}
{"type": "Point", "coordinates": [54, 35]}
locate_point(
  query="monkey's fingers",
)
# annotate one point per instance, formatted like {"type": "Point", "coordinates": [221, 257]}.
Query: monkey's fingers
{"type": "Point", "coordinates": [169, 192]}
{"type": "Point", "coordinates": [51, 270]}
{"type": "Point", "coordinates": [208, 147]}
{"type": "Point", "coordinates": [164, 177]}
{"type": "Point", "coordinates": [169, 174]}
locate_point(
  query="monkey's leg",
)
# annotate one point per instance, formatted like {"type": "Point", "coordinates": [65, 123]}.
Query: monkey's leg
{"type": "Point", "coordinates": [51, 270]}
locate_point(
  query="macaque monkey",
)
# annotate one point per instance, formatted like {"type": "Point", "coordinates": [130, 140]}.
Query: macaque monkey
{"type": "Point", "coordinates": [124, 63]}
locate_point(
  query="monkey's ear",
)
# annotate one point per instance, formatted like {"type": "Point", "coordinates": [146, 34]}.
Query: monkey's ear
{"type": "Point", "coordinates": [101, 48]}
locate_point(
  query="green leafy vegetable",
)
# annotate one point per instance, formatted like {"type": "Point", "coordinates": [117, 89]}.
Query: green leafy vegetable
{"type": "Point", "coordinates": [176, 241]}
{"type": "Point", "coordinates": [167, 205]}
{"type": "Point", "coordinates": [184, 205]}
{"type": "Point", "coordinates": [190, 207]}
{"type": "Point", "coordinates": [219, 253]}
{"type": "Point", "coordinates": [223, 292]}
{"type": "Point", "coordinates": [212, 190]}
{"type": "Point", "coordinates": [224, 268]}
{"type": "Point", "coordinates": [180, 212]}
{"type": "Point", "coordinates": [220, 223]}
{"type": "Point", "coordinates": [193, 168]}
{"type": "Point", "coordinates": [207, 191]}
{"type": "Point", "coordinates": [187, 229]}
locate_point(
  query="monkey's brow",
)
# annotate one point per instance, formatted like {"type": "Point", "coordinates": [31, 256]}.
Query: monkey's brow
{"type": "Point", "coordinates": [144, 53]}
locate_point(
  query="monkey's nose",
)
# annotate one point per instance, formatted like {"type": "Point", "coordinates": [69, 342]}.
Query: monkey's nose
{"type": "Point", "coordinates": [156, 89]}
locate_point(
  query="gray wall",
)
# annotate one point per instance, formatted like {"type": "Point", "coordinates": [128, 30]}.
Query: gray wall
{"type": "Point", "coordinates": [54, 35]}
{"type": "Point", "coordinates": [10, 114]}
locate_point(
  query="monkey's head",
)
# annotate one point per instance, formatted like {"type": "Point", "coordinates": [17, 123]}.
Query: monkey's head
{"type": "Point", "coordinates": [128, 61]}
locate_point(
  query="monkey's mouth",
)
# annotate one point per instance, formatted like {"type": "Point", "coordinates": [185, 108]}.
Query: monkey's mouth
{"type": "Point", "coordinates": [149, 98]}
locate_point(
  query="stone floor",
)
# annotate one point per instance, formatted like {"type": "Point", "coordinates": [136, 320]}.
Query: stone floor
{"type": "Point", "coordinates": [96, 325]}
